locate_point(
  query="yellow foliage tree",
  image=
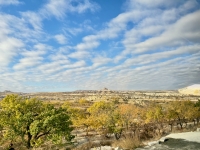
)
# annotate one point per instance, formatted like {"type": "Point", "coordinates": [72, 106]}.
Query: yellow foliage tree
{"type": "Point", "coordinates": [104, 115]}
{"type": "Point", "coordinates": [128, 114]}
{"type": "Point", "coordinates": [182, 112]}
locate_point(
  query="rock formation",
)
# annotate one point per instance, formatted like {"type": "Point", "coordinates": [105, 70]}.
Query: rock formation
{"type": "Point", "coordinates": [191, 90]}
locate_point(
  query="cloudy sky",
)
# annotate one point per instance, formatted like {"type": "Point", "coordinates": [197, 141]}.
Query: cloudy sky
{"type": "Point", "coordinates": [66, 45]}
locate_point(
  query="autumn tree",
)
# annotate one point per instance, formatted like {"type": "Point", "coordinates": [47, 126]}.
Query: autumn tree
{"type": "Point", "coordinates": [197, 106]}
{"type": "Point", "coordinates": [1, 124]}
{"type": "Point", "coordinates": [33, 121]}
{"type": "Point", "coordinates": [128, 114]}
{"type": "Point", "coordinates": [104, 115]}
{"type": "Point", "coordinates": [191, 112]}
{"type": "Point", "coordinates": [99, 113]}
{"type": "Point", "coordinates": [170, 116]}
{"type": "Point", "coordinates": [79, 116]}
{"type": "Point", "coordinates": [155, 115]}
{"type": "Point", "coordinates": [182, 112]}
{"type": "Point", "coordinates": [114, 125]}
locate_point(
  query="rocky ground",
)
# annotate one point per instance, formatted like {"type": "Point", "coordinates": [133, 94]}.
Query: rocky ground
{"type": "Point", "coordinates": [176, 141]}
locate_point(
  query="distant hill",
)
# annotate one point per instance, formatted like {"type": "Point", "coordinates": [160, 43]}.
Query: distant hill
{"type": "Point", "coordinates": [7, 91]}
{"type": "Point", "coordinates": [191, 90]}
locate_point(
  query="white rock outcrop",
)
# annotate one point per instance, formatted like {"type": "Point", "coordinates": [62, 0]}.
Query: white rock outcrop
{"type": "Point", "coordinates": [188, 136]}
{"type": "Point", "coordinates": [191, 90]}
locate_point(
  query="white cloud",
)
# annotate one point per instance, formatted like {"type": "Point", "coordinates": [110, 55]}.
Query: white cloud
{"type": "Point", "coordinates": [159, 30]}
{"type": "Point", "coordinates": [153, 3]}
{"type": "Point", "coordinates": [163, 75]}
{"type": "Point", "coordinates": [188, 6]}
{"type": "Point", "coordinates": [59, 8]}
{"type": "Point", "coordinates": [82, 7]}
{"type": "Point", "coordinates": [53, 66]}
{"type": "Point", "coordinates": [187, 28]}
{"type": "Point", "coordinates": [100, 60]}
{"type": "Point", "coordinates": [32, 53]}
{"type": "Point", "coordinates": [9, 2]}
{"type": "Point", "coordinates": [61, 39]}
{"type": "Point", "coordinates": [87, 45]}
{"type": "Point", "coordinates": [60, 67]}
{"type": "Point", "coordinates": [74, 31]}
{"type": "Point", "coordinates": [32, 58]}
{"type": "Point", "coordinates": [149, 58]}
{"type": "Point", "coordinates": [58, 56]}
{"type": "Point", "coordinates": [52, 8]}
{"type": "Point", "coordinates": [85, 26]}
{"type": "Point", "coordinates": [115, 26]}
{"type": "Point", "coordinates": [158, 47]}
{"type": "Point", "coordinates": [28, 62]}
{"type": "Point", "coordinates": [55, 8]}
{"type": "Point", "coordinates": [112, 29]}
{"type": "Point", "coordinates": [19, 28]}
{"type": "Point", "coordinates": [79, 55]}
{"type": "Point", "coordinates": [9, 47]}
{"type": "Point", "coordinates": [33, 18]}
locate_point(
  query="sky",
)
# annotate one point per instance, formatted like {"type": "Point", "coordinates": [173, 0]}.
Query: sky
{"type": "Point", "coordinates": [67, 45]}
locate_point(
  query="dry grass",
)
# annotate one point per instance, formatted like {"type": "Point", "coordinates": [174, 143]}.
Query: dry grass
{"type": "Point", "coordinates": [127, 143]}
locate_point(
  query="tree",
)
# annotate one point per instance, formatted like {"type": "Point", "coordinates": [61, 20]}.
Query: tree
{"type": "Point", "coordinates": [197, 106]}
{"type": "Point", "coordinates": [98, 114]}
{"type": "Point", "coordinates": [155, 115]}
{"type": "Point", "coordinates": [78, 116]}
{"type": "Point", "coordinates": [33, 121]}
{"type": "Point", "coordinates": [128, 114]}
{"type": "Point", "coordinates": [182, 111]}
{"type": "Point", "coordinates": [105, 115]}
{"type": "Point", "coordinates": [170, 116]}
{"type": "Point", "coordinates": [1, 125]}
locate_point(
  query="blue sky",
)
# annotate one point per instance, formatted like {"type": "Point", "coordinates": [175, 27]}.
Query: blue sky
{"type": "Point", "coordinates": [66, 45]}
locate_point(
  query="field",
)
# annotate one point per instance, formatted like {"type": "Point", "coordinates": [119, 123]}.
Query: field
{"type": "Point", "coordinates": [83, 123]}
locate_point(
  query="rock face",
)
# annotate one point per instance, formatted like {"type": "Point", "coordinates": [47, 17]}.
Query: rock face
{"type": "Point", "coordinates": [191, 90]}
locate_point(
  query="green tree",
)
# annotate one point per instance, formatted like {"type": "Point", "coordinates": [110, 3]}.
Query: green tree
{"type": "Point", "coordinates": [33, 121]}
